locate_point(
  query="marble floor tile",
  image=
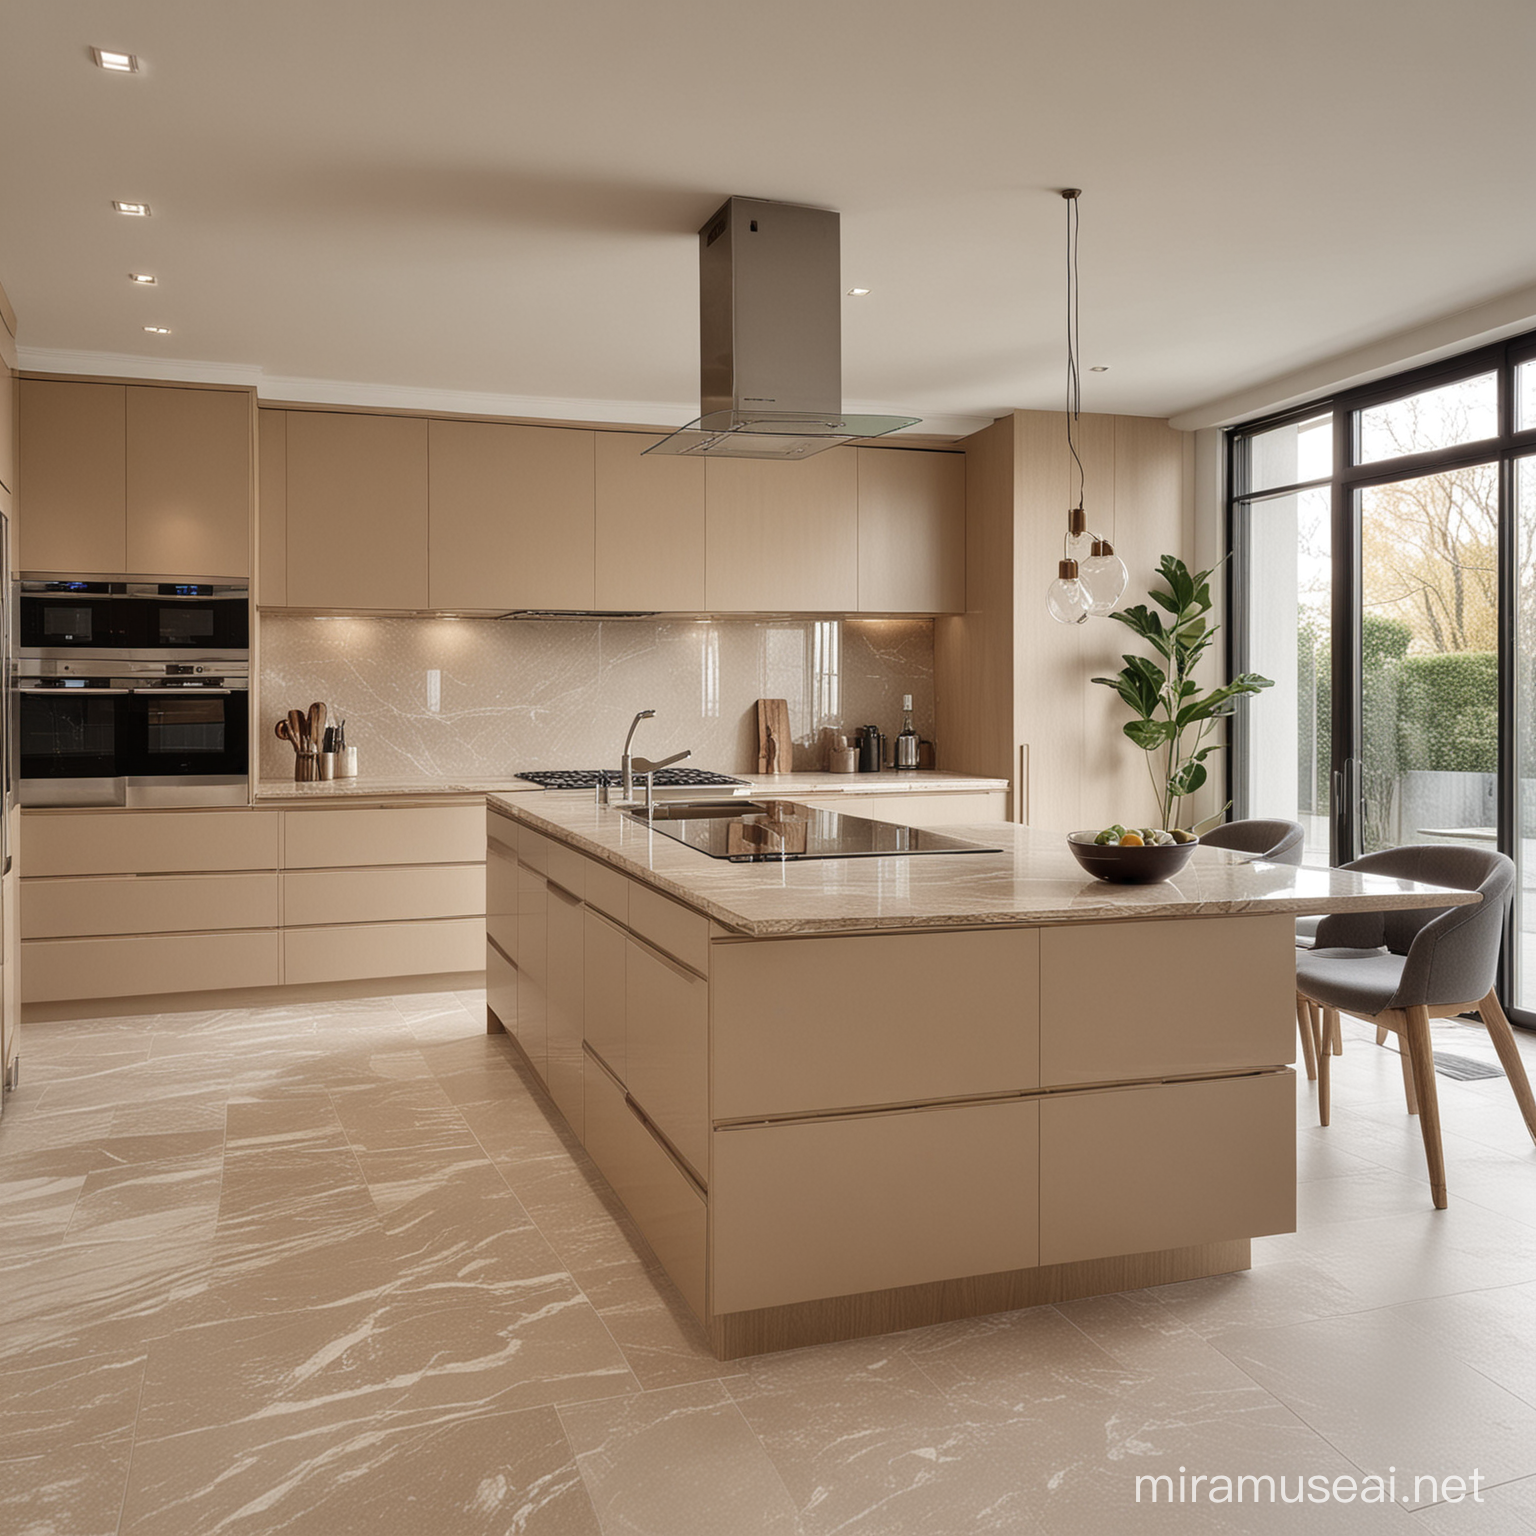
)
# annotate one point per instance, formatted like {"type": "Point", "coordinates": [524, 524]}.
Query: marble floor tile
{"type": "Point", "coordinates": [680, 1461]}
{"type": "Point", "coordinates": [72, 1490]}
{"type": "Point", "coordinates": [1491, 1331]}
{"type": "Point", "coordinates": [68, 1402]}
{"type": "Point", "coordinates": [1506, 1509]}
{"type": "Point", "coordinates": [145, 1202]}
{"type": "Point", "coordinates": [37, 1207]}
{"type": "Point", "coordinates": [1386, 1396]}
{"type": "Point", "coordinates": [662, 1340]}
{"type": "Point", "coordinates": [485, 1476]}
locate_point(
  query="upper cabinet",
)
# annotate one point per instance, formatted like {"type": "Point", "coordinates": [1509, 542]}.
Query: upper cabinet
{"type": "Point", "coordinates": [7, 396]}
{"type": "Point", "coordinates": [189, 481]}
{"type": "Point", "coordinates": [911, 531]}
{"type": "Point", "coordinates": [512, 516]}
{"type": "Point", "coordinates": [135, 479]}
{"type": "Point", "coordinates": [356, 511]}
{"type": "Point", "coordinates": [272, 498]}
{"type": "Point", "coordinates": [782, 537]}
{"type": "Point", "coordinates": [650, 527]}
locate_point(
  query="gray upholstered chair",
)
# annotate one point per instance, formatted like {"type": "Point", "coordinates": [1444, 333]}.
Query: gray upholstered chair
{"type": "Point", "coordinates": [1400, 969]}
{"type": "Point", "coordinates": [1278, 842]}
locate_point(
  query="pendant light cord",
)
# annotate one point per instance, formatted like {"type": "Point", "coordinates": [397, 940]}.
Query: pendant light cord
{"type": "Point", "coordinates": [1074, 373]}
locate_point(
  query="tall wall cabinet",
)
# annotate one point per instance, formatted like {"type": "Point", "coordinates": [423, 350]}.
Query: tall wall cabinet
{"type": "Point", "coordinates": [10, 935]}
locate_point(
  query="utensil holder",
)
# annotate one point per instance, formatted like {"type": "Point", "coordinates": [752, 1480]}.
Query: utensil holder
{"type": "Point", "coordinates": [306, 767]}
{"type": "Point", "coordinates": [327, 765]}
{"type": "Point", "coordinates": [346, 763]}
{"type": "Point", "coordinates": [843, 760]}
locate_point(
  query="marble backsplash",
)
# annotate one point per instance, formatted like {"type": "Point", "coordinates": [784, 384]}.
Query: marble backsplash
{"type": "Point", "coordinates": [483, 698]}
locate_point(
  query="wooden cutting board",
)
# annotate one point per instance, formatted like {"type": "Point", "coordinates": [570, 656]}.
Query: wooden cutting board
{"type": "Point", "coordinates": [775, 751]}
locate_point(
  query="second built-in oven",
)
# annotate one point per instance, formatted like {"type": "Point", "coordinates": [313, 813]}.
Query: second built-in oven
{"type": "Point", "coordinates": [140, 734]}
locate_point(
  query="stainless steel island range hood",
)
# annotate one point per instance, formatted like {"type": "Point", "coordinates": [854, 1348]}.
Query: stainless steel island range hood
{"type": "Point", "coordinates": [770, 329]}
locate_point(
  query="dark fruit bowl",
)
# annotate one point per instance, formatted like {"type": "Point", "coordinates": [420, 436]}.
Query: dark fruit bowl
{"type": "Point", "coordinates": [1129, 866]}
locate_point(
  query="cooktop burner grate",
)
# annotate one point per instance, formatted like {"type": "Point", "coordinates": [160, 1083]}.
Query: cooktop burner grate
{"type": "Point", "coordinates": [590, 778]}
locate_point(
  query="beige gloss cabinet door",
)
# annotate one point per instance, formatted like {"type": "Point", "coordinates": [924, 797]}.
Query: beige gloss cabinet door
{"type": "Point", "coordinates": [501, 899]}
{"type": "Point", "coordinates": [533, 967]}
{"type": "Point", "coordinates": [650, 527]}
{"type": "Point", "coordinates": [911, 531]}
{"type": "Point", "coordinates": [782, 536]}
{"type": "Point", "coordinates": [447, 834]}
{"type": "Point", "coordinates": [804, 1025]}
{"type": "Point", "coordinates": [313, 897]}
{"type": "Point", "coordinates": [603, 994]}
{"type": "Point", "coordinates": [666, 1050]}
{"type": "Point", "coordinates": [664, 1204]}
{"type": "Point", "coordinates": [501, 988]}
{"type": "Point", "coordinates": [564, 1019]}
{"type": "Point", "coordinates": [189, 481]}
{"type": "Point", "coordinates": [73, 453]}
{"type": "Point", "coordinates": [55, 970]}
{"type": "Point", "coordinates": [124, 904]}
{"type": "Point", "coordinates": [149, 842]}
{"type": "Point", "coordinates": [357, 511]}
{"type": "Point", "coordinates": [1120, 1001]}
{"type": "Point", "coordinates": [819, 1208]}
{"type": "Point", "coordinates": [377, 950]}
{"type": "Point", "coordinates": [271, 509]}
{"type": "Point", "coordinates": [512, 516]}
{"type": "Point", "coordinates": [1167, 1165]}
{"type": "Point", "coordinates": [7, 409]}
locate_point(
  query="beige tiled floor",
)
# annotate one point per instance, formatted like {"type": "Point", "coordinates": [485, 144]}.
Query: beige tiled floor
{"type": "Point", "coordinates": [325, 1271]}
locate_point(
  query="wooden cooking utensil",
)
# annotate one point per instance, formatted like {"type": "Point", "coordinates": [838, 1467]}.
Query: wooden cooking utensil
{"type": "Point", "coordinates": [300, 728]}
{"type": "Point", "coordinates": [316, 724]}
{"type": "Point", "coordinates": [285, 733]}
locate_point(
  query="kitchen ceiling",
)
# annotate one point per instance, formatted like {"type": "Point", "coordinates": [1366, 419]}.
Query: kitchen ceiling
{"type": "Point", "coordinates": [500, 199]}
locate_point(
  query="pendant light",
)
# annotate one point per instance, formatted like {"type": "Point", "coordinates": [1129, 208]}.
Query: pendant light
{"type": "Point", "coordinates": [1091, 576]}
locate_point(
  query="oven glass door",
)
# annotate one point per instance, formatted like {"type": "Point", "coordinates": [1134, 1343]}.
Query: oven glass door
{"type": "Point", "coordinates": [71, 733]}
{"type": "Point", "coordinates": [72, 621]}
{"type": "Point", "coordinates": [180, 732]}
{"type": "Point", "coordinates": [190, 624]}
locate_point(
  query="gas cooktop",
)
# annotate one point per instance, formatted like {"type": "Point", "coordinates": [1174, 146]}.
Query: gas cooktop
{"type": "Point", "coordinates": [666, 778]}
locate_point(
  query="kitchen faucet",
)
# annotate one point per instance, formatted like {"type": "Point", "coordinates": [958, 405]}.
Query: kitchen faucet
{"type": "Point", "coordinates": [630, 766]}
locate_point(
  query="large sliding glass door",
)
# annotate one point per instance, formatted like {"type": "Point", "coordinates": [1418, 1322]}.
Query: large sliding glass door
{"type": "Point", "coordinates": [1384, 574]}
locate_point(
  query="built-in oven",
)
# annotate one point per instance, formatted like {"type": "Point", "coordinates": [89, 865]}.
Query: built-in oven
{"type": "Point", "coordinates": [88, 614]}
{"type": "Point", "coordinates": [132, 692]}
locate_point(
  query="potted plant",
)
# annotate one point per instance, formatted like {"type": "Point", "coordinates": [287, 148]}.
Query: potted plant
{"type": "Point", "coordinates": [1173, 717]}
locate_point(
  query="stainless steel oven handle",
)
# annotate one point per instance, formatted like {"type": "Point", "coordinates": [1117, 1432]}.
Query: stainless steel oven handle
{"type": "Point", "coordinates": [67, 693]}
{"type": "Point", "coordinates": [180, 693]}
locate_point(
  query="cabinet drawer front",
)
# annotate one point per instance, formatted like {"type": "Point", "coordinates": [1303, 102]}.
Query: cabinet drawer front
{"type": "Point", "coordinates": [568, 869]}
{"type": "Point", "coordinates": [671, 927]}
{"type": "Point", "coordinates": [532, 965]}
{"type": "Point", "coordinates": [1120, 1001]}
{"type": "Point", "coordinates": [318, 896]}
{"type": "Point", "coordinates": [501, 988]}
{"type": "Point", "coordinates": [811, 1024]}
{"type": "Point", "coordinates": [607, 890]}
{"type": "Point", "coordinates": [533, 850]}
{"type": "Point", "coordinates": [603, 1003]}
{"type": "Point", "coordinates": [63, 970]}
{"type": "Point", "coordinates": [666, 1051]}
{"type": "Point", "coordinates": [331, 839]}
{"type": "Point", "coordinates": [501, 899]}
{"type": "Point", "coordinates": [823, 1208]}
{"type": "Point", "coordinates": [383, 949]}
{"type": "Point", "coordinates": [666, 1207]}
{"type": "Point", "coordinates": [1166, 1165]}
{"type": "Point", "coordinates": [563, 1020]}
{"type": "Point", "coordinates": [58, 909]}
{"type": "Point", "coordinates": [148, 842]}
{"type": "Point", "coordinates": [501, 830]}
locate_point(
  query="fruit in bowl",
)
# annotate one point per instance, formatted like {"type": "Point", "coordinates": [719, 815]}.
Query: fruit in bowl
{"type": "Point", "coordinates": [1132, 855]}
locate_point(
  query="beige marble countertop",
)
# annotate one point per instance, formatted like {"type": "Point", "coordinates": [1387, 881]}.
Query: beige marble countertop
{"type": "Point", "coordinates": [890, 782]}
{"type": "Point", "coordinates": [1033, 879]}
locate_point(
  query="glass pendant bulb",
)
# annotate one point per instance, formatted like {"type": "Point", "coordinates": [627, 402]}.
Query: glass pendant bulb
{"type": "Point", "coordinates": [1065, 599]}
{"type": "Point", "coordinates": [1080, 541]}
{"type": "Point", "coordinates": [1103, 577]}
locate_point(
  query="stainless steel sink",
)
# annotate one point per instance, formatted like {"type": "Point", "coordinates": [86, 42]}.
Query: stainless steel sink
{"type": "Point", "coordinates": [697, 810]}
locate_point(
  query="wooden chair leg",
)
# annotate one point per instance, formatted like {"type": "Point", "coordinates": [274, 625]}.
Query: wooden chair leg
{"type": "Point", "coordinates": [1409, 1091]}
{"type": "Point", "coordinates": [1422, 1056]}
{"type": "Point", "coordinates": [1503, 1038]}
{"type": "Point", "coordinates": [1338, 1034]}
{"type": "Point", "coordinates": [1304, 1029]}
{"type": "Point", "coordinates": [1381, 1035]}
{"type": "Point", "coordinates": [1325, 1067]}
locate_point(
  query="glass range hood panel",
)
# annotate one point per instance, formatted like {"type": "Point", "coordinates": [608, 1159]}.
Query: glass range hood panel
{"type": "Point", "coordinates": [774, 434]}
{"type": "Point", "coordinates": [770, 831]}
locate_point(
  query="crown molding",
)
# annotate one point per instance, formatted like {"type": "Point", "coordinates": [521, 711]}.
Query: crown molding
{"type": "Point", "coordinates": [406, 397]}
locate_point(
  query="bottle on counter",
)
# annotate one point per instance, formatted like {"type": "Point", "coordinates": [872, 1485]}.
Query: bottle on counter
{"type": "Point", "coordinates": [906, 755]}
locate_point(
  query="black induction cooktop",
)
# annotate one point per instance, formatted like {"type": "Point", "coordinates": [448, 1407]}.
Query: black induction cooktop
{"type": "Point", "coordinates": [666, 778]}
{"type": "Point", "coordinates": [763, 831]}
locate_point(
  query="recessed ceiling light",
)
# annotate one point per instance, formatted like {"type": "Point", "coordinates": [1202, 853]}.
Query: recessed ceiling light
{"type": "Point", "coordinates": [1099, 368]}
{"type": "Point", "coordinates": [158, 330]}
{"type": "Point", "coordinates": [857, 293]}
{"type": "Point", "coordinates": [141, 277]}
{"type": "Point", "coordinates": [133, 210]}
{"type": "Point", "coordinates": [118, 63]}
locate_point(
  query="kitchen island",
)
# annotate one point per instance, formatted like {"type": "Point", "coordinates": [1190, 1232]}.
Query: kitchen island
{"type": "Point", "coordinates": [848, 1096]}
